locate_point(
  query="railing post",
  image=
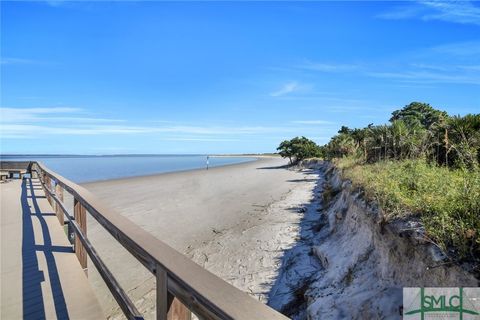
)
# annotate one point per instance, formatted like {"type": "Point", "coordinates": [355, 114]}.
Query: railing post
{"type": "Point", "coordinates": [162, 294]}
{"type": "Point", "coordinates": [34, 172]}
{"type": "Point", "coordinates": [46, 179]}
{"type": "Point", "coordinates": [58, 210]}
{"type": "Point", "coordinates": [168, 307]}
{"type": "Point", "coordinates": [81, 218]}
{"type": "Point", "coordinates": [178, 311]}
{"type": "Point", "coordinates": [41, 176]}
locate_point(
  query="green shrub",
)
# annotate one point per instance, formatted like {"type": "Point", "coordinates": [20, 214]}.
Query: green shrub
{"type": "Point", "coordinates": [447, 201]}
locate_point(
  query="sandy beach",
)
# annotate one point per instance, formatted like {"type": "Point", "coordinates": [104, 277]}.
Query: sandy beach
{"type": "Point", "coordinates": [235, 220]}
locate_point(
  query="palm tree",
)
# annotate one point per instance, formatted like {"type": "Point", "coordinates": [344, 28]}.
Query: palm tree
{"type": "Point", "coordinates": [465, 139]}
{"type": "Point", "coordinates": [399, 133]}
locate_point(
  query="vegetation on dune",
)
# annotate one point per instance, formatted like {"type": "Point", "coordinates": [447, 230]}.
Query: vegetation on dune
{"type": "Point", "coordinates": [416, 131]}
{"type": "Point", "coordinates": [423, 163]}
{"type": "Point", "coordinates": [447, 201]}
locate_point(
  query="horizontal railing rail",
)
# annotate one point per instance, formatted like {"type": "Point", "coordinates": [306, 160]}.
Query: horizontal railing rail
{"type": "Point", "coordinates": [15, 165]}
{"type": "Point", "coordinates": [118, 293]}
{"type": "Point", "coordinates": [177, 277]}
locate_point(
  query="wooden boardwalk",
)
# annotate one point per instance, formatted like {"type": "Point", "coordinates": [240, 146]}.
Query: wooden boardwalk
{"type": "Point", "coordinates": [41, 277]}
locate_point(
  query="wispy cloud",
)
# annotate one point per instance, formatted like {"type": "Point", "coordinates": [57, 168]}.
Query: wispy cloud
{"type": "Point", "coordinates": [407, 11]}
{"type": "Point", "coordinates": [6, 60]}
{"type": "Point", "coordinates": [65, 115]}
{"type": "Point", "coordinates": [285, 89]}
{"type": "Point", "coordinates": [426, 77]}
{"type": "Point", "coordinates": [201, 139]}
{"type": "Point", "coordinates": [464, 12]}
{"type": "Point", "coordinates": [471, 68]}
{"type": "Point", "coordinates": [29, 130]}
{"type": "Point", "coordinates": [31, 122]}
{"type": "Point", "coordinates": [313, 122]}
{"type": "Point", "coordinates": [328, 67]}
{"type": "Point", "coordinates": [219, 130]}
{"type": "Point", "coordinates": [433, 67]}
{"type": "Point", "coordinates": [458, 49]}
{"type": "Point", "coordinates": [453, 11]}
{"type": "Point", "coordinates": [21, 122]}
{"type": "Point", "coordinates": [452, 63]}
{"type": "Point", "coordinates": [10, 115]}
{"type": "Point", "coordinates": [79, 120]}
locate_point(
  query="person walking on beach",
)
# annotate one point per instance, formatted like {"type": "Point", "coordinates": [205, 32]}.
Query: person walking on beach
{"type": "Point", "coordinates": [208, 157]}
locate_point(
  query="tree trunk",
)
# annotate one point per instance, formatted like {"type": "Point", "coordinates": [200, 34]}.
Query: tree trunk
{"type": "Point", "coordinates": [365, 150]}
{"type": "Point", "coordinates": [446, 147]}
{"type": "Point", "coordinates": [385, 148]}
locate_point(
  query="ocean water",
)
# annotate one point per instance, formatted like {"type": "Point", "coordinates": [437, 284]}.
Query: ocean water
{"type": "Point", "coordinates": [82, 169]}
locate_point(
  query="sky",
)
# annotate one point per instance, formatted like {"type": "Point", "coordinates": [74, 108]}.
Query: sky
{"type": "Point", "coordinates": [224, 77]}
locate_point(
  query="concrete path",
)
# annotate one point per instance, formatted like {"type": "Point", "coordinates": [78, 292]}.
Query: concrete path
{"type": "Point", "coordinates": [41, 277]}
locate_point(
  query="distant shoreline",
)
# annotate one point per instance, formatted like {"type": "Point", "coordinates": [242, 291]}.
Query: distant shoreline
{"type": "Point", "coordinates": [246, 155]}
{"type": "Point", "coordinates": [186, 171]}
{"type": "Point", "coordinates": [85, 169]}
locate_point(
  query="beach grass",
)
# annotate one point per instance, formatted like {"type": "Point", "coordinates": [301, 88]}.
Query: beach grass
{"type": "Point", "coordinates": [446, 200]}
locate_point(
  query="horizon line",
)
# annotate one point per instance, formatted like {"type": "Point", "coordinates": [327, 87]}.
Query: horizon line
{"type": "Point", "coordinates": [130, 154]}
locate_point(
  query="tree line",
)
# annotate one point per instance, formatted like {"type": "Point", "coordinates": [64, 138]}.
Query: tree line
{"type": "Point", "coordinates": [415, 131]}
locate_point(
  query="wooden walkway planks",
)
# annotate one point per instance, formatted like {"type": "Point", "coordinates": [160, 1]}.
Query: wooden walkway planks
{"type": "Point", "coordinates": [41, 277]}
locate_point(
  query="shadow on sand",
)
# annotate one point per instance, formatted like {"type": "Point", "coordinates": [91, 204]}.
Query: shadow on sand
{"type": "Point", "coordinates": [298, 266]}
{"type": "Point", "coordinates": [285, 166]}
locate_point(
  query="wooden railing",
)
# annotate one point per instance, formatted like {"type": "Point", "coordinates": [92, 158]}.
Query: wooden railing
{"type": "Point", "coordinates": [181, 285]}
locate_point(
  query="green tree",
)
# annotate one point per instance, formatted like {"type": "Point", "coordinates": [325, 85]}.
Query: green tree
{"type": "Point", "coordinates": [415, 131]}
{"type": "Point", "coordinates": [418, 113]}
{"type": "Point", "coordinates": [299, 148]}
{"type": "Point", "coordinates": [286, 150]}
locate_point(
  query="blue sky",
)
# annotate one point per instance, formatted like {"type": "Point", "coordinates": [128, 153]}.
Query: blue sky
{"type": "Point", "coordinates": [224, 77]}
